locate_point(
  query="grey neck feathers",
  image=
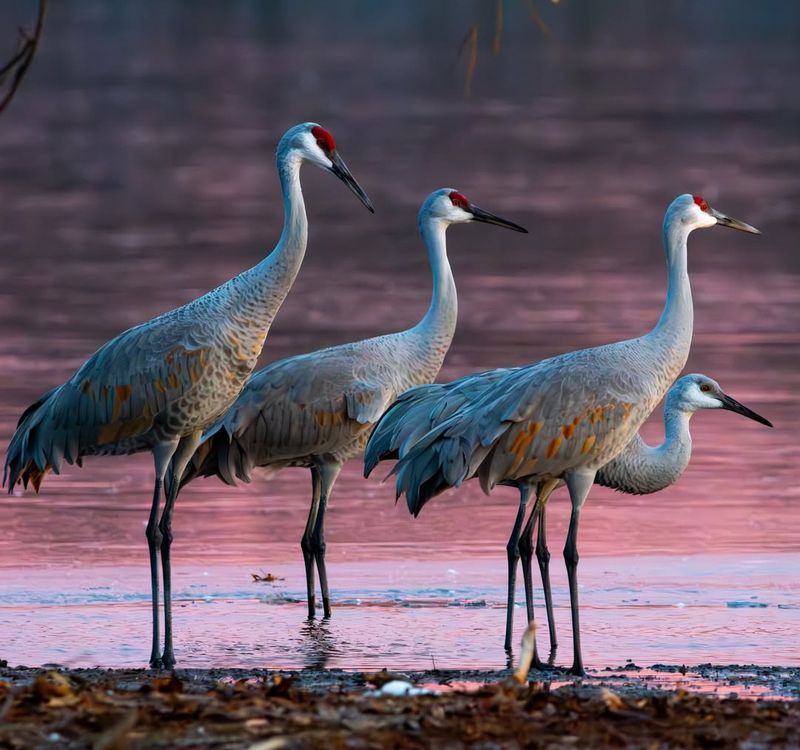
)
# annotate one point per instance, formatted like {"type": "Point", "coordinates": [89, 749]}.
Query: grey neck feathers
{"type": "Point", "coordinates": [641, 468]}
{"type": "Point", "coordinates": [673, 332]}
{"type": "Point", "coordinates": [259, 292]}
{"type": "Point", "coordinates": [439, 323]}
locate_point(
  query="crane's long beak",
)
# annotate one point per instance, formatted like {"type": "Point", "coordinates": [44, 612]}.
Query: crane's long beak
{"type": "Point", "coordinates": [478, 214]}
{"type": "Point", "coordinates": [339, 168]}
{"type": "Point", "coordinates": [731, 404]}
{"type": "Point", "coordinates": [727, 221]}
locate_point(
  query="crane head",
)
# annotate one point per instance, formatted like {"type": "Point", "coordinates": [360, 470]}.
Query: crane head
{"type": "Point", "coordinates": [696, 391]}
{"type": "Point", "coordinates": [694, 212]}
{"type": "Point", "coordinates": [452, 207]}
{"type": "Point", "coordinates": [312, 143]}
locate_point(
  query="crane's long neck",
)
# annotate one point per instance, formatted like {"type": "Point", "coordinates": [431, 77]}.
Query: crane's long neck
{"type": "Point", "coordinates": [672, 335]}
{"type": "Point", "coordinates": [641, 468]}
{"type": "Point", "coordinates": [257, 294]}
{"type": "Point", "coordinates": [437, 327]}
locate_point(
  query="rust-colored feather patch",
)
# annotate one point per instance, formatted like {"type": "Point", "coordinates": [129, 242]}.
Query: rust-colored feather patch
{"type": "Point", "coordinates": [552, 449]}
{"type": "Point", "coordinates": [524, 438]}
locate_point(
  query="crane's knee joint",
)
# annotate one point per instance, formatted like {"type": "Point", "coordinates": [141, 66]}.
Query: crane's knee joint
{"type": "Point", "coordinates": [543, 555]}
{"type": "Point", "coordinates": [166, 538]}
{"type": "Point", "coordinates": [153, 534]}
{"type": "Point", "coordinates": [571, 556]}
{"type": "Point", "coordinates": [319, 547]}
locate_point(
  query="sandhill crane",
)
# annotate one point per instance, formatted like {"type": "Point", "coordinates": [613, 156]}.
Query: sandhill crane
{"type": "Point", "coordinates": [316, 410]}
{"type": "Point", "coordinates": [640, 469]}
{"type": "Point", "coordinates": [567, 416]}
{"type": "Point", "coordinates": [157, 386]}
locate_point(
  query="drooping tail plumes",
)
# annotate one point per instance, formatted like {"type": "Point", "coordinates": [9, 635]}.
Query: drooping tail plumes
{"type": "Point", "coordinates": [37, 446]}
{"type": "Point", "coordinates": [219, 455]}
{"type": "Point", "coordinates": [435, 463]}
{"type": "Point", "coordinates": [430, 459]}
{"type": "Point", "coordinates": [409, 418]}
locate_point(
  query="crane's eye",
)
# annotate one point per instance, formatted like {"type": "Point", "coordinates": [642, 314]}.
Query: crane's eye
{"type": "Point", "coordinates": [705, 388]}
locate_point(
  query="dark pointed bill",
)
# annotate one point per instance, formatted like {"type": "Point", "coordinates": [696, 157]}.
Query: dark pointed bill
{"type": "Point", "coordinates": [478, 214]}
{"type": "Point", "coordinates": [727, 221]}
{"type": "Point", "coordinates": [731, 404]}
{"type": "Point", "coordinates": [339, 168]}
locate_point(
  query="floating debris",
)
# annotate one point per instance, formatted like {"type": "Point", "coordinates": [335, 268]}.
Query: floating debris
{"type": "Point", "coordinates": [265, 577]}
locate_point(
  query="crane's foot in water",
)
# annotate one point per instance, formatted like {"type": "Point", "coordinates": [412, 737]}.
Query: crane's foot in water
{"type": "Point", "coordinates": [577, 670]}
{"type": "Point", "coordinates": [168, 660]}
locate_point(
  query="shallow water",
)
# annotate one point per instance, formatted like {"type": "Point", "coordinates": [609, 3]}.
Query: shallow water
{"type": "Point", "coordinates": [406, 615]}
{"type": "Point", "coordinates": [136, 172]}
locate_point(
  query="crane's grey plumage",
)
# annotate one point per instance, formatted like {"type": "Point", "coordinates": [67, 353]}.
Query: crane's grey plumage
{"type": "Point", "coordinates": [316, 410]}
{"type": "Point", "coordinates": [640, 469]}
{"type": "Point", "coordinates": [567, 416]}
{"type": "Point", "coordinates": [158, 385]}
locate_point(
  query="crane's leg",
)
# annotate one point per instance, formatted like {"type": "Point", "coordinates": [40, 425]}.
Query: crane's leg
{"type": "Point", "coordinates": [328, 472]}
{"type": "Point", "coordinates": [526, 555]}
{"type": "Point", "coordinates": [161, 457]}
{"type": "Point", "coordinates": [512, 552]}
{"type": "Point", "coordinates": [543, 557]}
{"type": "Point", "coordinates": [305, 542]}
{"type": "Point", "coordinates": [180, 461]}
{"type": "Point", "coordinates": [578, 484]}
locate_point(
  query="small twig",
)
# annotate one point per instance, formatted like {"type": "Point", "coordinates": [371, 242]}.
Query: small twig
{"type": "Point", "coordinates": [21, 60]}
{"type": "Point", "coordinates": [498, 28]}
{"type": "Point", "coordinates": [471, 43]}
{"type": "Point", "coordinates": [7, 703]}
{"type": "Point", "coordinates": [537, 19]}
{"type": "Point", "coordinates": [526, 654]}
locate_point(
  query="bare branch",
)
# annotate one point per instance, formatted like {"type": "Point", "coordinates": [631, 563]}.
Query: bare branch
{"type": "Point", "coordinates": [20, 62]}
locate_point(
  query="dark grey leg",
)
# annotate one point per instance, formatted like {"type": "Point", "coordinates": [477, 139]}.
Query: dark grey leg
{"type": "Point", "coordinates": [526, 555]}
{"type": "Point", "coordinates": [180, 460]}
{"type": "Point", "coordinates": [543, 557]}
{"type": "Point", "coordinates": [305, 542]}
{"type": "Point", "coordinates": [328, 474]}
{"type": "Point", "coordinates": [154, 543]}
{"type": "Point", "coordinates": [512, 552]}
{"type": "Point", "coordinates": [579, 485]}
{"type": "Point", "coordinates": [161, 457]}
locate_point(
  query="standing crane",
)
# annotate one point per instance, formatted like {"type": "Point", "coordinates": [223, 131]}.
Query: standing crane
{"type": "Point", "coordinates": [567, 416]}
{"type": "Point", "coordinates": [316, 410]}
{"type": "Point", "coordinates": [157, 386]}
{"type": "Point", "coordinates": [640, 469]}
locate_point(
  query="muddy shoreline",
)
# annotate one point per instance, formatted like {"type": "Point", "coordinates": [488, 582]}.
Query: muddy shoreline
{"type": "Point", "coordinates": [628, 707]}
